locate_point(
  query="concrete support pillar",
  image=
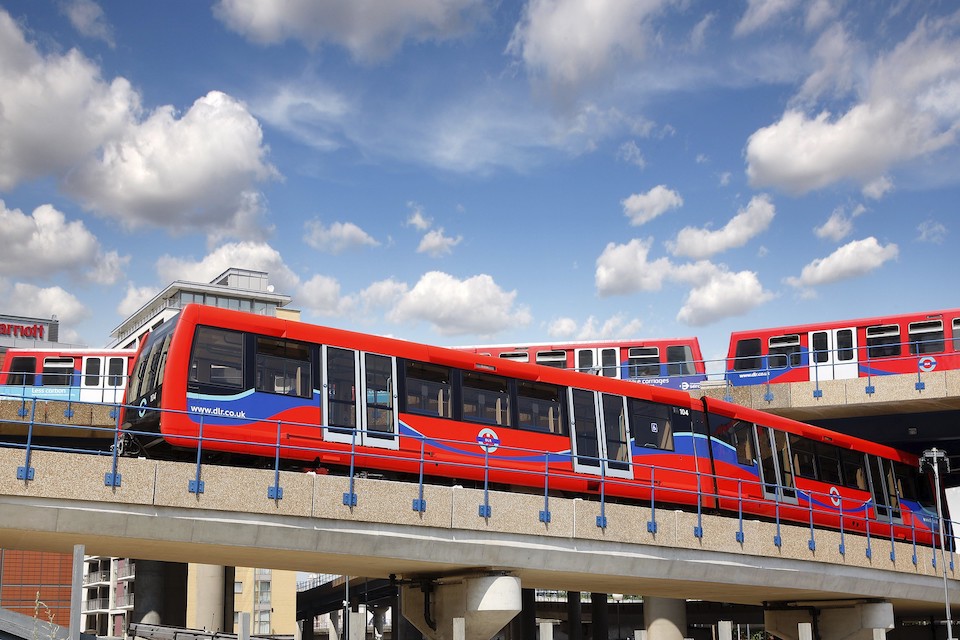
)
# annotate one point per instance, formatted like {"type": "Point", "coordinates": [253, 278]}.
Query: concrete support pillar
{"type": "Point", "coordinates": [484, 604]}
{"type": "Point", "coordinates": [665, 618]}
{"type": "Point", "coordinates": [546, 631]}
{"type": "Point", "coordinates": [599, 617]}
{"type": "Point", "coordinates": [865, 621]}
{"type": "Point", "coordinates": [161, 593]}
{"type": "Point", "coordinates": [528, 614]}
{"type": "Point", "coordinates": [205, 608]}
{"type": "Point", "coordinates": [574, 616]}
{"type": "Point", "coordinates": [306, 629]}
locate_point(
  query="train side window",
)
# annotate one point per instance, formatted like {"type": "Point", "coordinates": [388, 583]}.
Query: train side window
{"type": "Point", "coordinates": [22, 371]}
{"type": "Point", "coordinates": [845, 345]}
{"type": "Point", "coordinates": [926, 337]}
{"type": "Point", "coordinates": [747, 356]}
{"type": "Point", "coordinates": [883, 341]}
{"type": "Point", "coordinates": [91, 372]}
{"type": "Point", "coordinates": [784, 351]}
{"type": "Point", "coordinates": [519, 356]}
{"type": "Point", "coordinates": [341, 388]}
{"type": "Point", "coordinates": [540, 407]}
{"type": "Point", "coordinates": [650, 423]}
{"type": "Point", "coordinates": [556, 358]}
{"type": "Point", "coordinates": [283, 367]}
{"type": "Point", "coordinates": [854, 470]}
{"type": "Point", "coordinates": [679, 360]}
{"type": "Point", "coordinates": [486, 398]}
{"type": "Point", "coordinates": [428, 389]}
{"type": "Point", "coordinates": [57, 372]}
{"type": "Point", "coordinates": [217, 358]}
{"type": "Point", "coordinates": [828, 462]}
{"type": "Point", "coordinates": [819, 347]}
{"type": "Point", "coordinates": [615, 433]}
{"type": "Point", "coordinates": [116, 370]}
{"type": "Point", "coordinates": [956, 334]}
{"type": "Point", "coordinates": [907, 480]}
{"type": "Point", "coordinates": [643, 362]}
{"type": "Point", "coordinates": [804, 458]}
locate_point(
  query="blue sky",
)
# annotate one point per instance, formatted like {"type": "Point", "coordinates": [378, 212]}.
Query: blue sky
{"type": "Point", "coordinates": [465, 172]}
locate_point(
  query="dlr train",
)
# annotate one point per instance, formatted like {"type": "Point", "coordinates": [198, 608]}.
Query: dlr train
{"type": "Point", "coordinates": [245, 385]}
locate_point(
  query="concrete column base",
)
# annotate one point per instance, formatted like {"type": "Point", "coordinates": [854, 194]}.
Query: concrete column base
{"type": "Point", "coordinates": [468, 609]}
{"type": "Point", "coordinates": [665, 618]}
{"type": "Point", "coordinates": [865, 621]}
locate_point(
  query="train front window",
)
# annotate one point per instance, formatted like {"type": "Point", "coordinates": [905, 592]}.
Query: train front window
{"type": "Point", "coordinates": [217, 358]}
{"type": "Point", "coordinates": [643, 362]}
{"type": "Point", "coordinates": [540, 407]}
{"type": "Point", "coordinates": [22, 371]}
{"type": "Point", "coordinates": [486, 399]}
{"type": "Point", "coordinates": [926, 337]}
{"type": "Point", "coordinates": [784, 351]}
{"type": "Point", "coordinates": [747, 356]}
{"type": "Point", "coordinates": [679, 360]}
{"type": "Point", "coordinates": [883, 341]}
{"type": "Point", "coordinates": [284, 367]}
{"type": "Point", "coordinates": [57, 372]}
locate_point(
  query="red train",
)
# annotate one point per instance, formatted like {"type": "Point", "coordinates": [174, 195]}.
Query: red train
{"type": "Point", "coordinates": [85, 375]}
{"type": "Point", "coordinates": [247, 384]}
{"type": "Point", "coordinates": [906, 343]}
{"type": "Point", "coordinates": [666, 362]}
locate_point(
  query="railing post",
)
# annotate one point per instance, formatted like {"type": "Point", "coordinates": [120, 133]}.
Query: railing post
{"type": "Point", "coordinates": [777, 540]}
{"type": "Point", "coordinates": [276, 491]}
{"type": "Point", "coordinates": [26, 472]}
{"type": "Point", "coordinates": [545, 514]}
{"type": "Point", "coordinates": [419, 504]}
{"type": "Point", "coordinates": [740, 536]}
{"type": "Point", "coordinates": [196, 485]}
{"type": "Point", "coordinates": [812, 543]}
{"type": "Point", "coordinates": [602, 518]}
{"type": "Point", "coordinates": [843, 547]}
{"type": "Point", "coordinates": [698, 530]}
{"type": "Point", "coordinates": [112, 478]}
{"type": "Point", "coordinates": [484, 509]}
{"type": "Point", "coordinates": [350, 497]}
{"type": "Point", "coordinates": [652, 524]}
{"type": "Point", "coordinates": [866, 526]}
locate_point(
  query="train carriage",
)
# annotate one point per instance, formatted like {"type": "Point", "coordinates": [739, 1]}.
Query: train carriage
{"type": "Point", "coordinates": [250, 386]}
{"type": "Point", "coordinates": [905, 343]}
{"type": "Point", "coordinates": [84, 375]}
{"type": "Point", "coordinates": [676, 363]}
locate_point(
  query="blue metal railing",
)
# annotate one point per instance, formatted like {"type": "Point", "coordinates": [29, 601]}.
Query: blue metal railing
{"type": "Point", "coordinates": [646, 486]}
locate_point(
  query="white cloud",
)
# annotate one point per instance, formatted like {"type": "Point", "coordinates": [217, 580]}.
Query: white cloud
{"type": "Point", "coordinates": [417, 219]}
{"type": "Point", "coordinates": [909, 108]}
{"type": "Point", "coordinates": [321, 294]}
{"type": "Point", "coordinates": [56, 109]}
{"type": "Point", "coordinates": [87, 18]}
{"type": "Point", "coordinates": [43, 302]}
{"type": "Point", "coordinates": [435, 244]}
{"type": "Point", "coordinates": [760, 13]}
{"type": "Point", "coordinates": [617, 326]}
{"type": "Point", "coordinates": [852, 260]}
{"type": "Point", "coordinates": [383, 294]}
{"type": "Point", "coordinates": [195, 172]}
{"type": "Point", "coordinates": [749, 222]}
{"type": "Point", "coordinates": [337, 238]}
{"type": "Point", "coordinates": [571, 42]}
{"type": "Point", "coordinates": [44, 243]}
{"type": "Point", "coordinates": [836, 228]}
{"type": "Point", "coordinates": [630, 153]}
{"type": "Point", "coordinates": [562, 328]}
{"type": "Point", "coordinates": [309, 111]}
{"type": "Point", "coordinates": [644, 207]}
{"type": "Point", "coordinates": [625, 268]}
{"type": "Point", "coordinates": [134, 298]}
{"type": "Point", "coordinates": [724, 294]}
{"type": "Point", "coordinates": [476, 305]}
{"type": "Point", "coordinates": [369, 29]}
{"type": "Point", "coordinates": [257, 256]}
{"type": "Point", "coordinates": [931, 231]}
{"type": "Point", "coordinates": [876, 189]}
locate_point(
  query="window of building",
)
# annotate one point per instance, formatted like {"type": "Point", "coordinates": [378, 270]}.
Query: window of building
{"type": "Point", "coordinates": [238, 587]}
{"type": "Point", "coordinates": [926, 337]}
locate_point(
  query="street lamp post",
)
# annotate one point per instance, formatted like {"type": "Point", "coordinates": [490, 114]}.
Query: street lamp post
{"type": "Point", "coordinates": [934, 457]}
{"type": "Point", "coordinates": [618, 598]}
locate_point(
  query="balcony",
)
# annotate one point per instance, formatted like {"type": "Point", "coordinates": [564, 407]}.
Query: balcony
{"type": "Point", "coordinates": [96, 605]}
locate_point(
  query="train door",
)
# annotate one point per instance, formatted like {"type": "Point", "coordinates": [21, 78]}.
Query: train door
{"type": "Point", "coordinates": [601, 434]}
{"type": "Point", "coordinates": [883, 487]}
{"type": "Point", "coordinates": [603, 361]}
{"type": "Point", "coordinates": [776, 467]}
{"type": "Point", "coordinates": [833, 354]}
{"type": "Point", "coordinates": [368, 417]}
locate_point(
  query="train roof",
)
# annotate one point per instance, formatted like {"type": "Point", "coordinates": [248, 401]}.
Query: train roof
{"type": "Point", "coordinates": [558, 344]}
